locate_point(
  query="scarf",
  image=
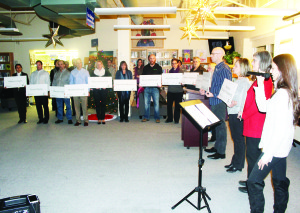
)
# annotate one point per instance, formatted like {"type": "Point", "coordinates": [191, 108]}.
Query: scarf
{"type": "Point", "coordinates": [99, 72]}
{"type": "Point", "coordinates": [174, 71]}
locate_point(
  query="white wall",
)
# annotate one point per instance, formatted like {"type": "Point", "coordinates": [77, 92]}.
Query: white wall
{"type": "Point", "coordinates": [264, 33]}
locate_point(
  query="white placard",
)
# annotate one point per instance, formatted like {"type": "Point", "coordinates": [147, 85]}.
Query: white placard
{"type": "Point", "coordinates": [190, 78]}
{"type": "Point", "coordinates": [15, 81]}
{"type": "Point", "coordinates": [204, 81]}
{"type": "Point", "coordinates": [171, 78]}
{"type": "Point", "coordinates": [150, 80]}
{"type": "Point", "coordinates": [227, 91]}
{"type": "Point", "coordinates": [125, 85]}
{"type": "Point", "coordinates": [76, 90]}
{"type": "Point", "coordinates": [100, 82]}
{"type": "Point", "coordinates": [37, 90]}
{"type": "Point", "coordinates": [57, 92]}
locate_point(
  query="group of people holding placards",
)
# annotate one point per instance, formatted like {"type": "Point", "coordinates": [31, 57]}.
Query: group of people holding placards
{"type": "Point", "coordinates": [264, 111]}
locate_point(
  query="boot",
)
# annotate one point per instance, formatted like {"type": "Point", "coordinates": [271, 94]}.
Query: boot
{"type": "Point", "coordinates": [256, 196]}
{"type": "Point", "coordinates": [281, 197]}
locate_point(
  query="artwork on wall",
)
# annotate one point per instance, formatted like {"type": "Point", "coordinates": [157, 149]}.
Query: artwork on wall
{"type": "Point", "coordinates": [108, 55]}
{"type": "Point", "coordinates": [187, 56]}
{"type": "Point", "coordinates": [221, 43]}
{"type": "Point", "coordinates": [157, 43]}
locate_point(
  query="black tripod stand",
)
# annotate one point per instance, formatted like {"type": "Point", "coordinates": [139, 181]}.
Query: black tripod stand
{"type": "Point", "coordinates": [201, 190]}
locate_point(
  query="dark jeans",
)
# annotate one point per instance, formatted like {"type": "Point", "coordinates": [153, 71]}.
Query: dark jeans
{"type": "Point", "coordinates": [171, 97]}
{"type": "Point", "coordinates": [100, 101]}
{"type": "Point", "coordinates": [256, 185]}
{"type": "Point", "coordinates": [221, 130]}
{"type": "Point", "coordinates": [236, 129]}
{"type": "Point", "coordinates": [252, 152]}
{"type": "Point", "coordinates": [154, 93]}
{"type": "Point", "coordinates": [42, 102]}
{"type": "Point", "coordinates": [123, 104]}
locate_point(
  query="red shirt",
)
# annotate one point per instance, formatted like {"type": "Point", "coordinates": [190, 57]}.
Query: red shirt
{"type": "Point", "coordinates": [253, 119]}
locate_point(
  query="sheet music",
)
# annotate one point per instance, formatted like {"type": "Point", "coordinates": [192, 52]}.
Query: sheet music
{"type": "Point", "coordinates": [227, 91]}
{"type": "Point", "coordinates": [198, 116]}
{"type": "Point", "coordinates": [204, 81]}
{"type": "Point", "coordinates": [209, 114]}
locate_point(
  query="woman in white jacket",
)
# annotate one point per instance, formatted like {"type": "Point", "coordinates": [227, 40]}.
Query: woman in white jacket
{"type": "Point", "coordinates": [282, 112]}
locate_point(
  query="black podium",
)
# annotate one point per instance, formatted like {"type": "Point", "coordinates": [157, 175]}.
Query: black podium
{"type": "Point", "coordinates": [203, 127]}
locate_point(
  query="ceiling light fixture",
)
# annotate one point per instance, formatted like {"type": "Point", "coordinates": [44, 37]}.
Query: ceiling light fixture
{"type": "Point", "coordinates": [140, 27]}
{"type": "Point", "coordinates": [135, 10]}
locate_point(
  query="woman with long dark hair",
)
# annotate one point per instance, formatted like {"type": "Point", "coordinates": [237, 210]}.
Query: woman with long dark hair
{"type": "Point", "coordinates": [124, 96]}
{"type": "Point", "coordinates": [282, 113]}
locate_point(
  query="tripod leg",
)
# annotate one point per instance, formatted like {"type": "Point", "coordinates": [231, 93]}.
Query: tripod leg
{"type": "Point", "coordinates": [207, 196]}
{"type": "Point", "coordinates": [205, 201]}
{"type": "Point", "coordinates": [183, 199]}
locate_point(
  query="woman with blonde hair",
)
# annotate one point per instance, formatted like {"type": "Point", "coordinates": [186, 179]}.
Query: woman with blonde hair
{"type": "Point", "coordinates": [235, 110]}
{"type": "Point", "coordinates": [100, 94]}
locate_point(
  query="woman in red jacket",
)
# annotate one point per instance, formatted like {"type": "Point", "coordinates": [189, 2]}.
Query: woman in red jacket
{"type": "Point", "coordinates": [253, 119]}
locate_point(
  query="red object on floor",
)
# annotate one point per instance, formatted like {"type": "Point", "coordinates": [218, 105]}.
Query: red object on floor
{"type": "Point", "coordinates": [93, 117]}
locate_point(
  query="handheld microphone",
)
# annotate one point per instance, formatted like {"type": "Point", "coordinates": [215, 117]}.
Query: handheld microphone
{"type": "Point", "coordinates": [265, 75]}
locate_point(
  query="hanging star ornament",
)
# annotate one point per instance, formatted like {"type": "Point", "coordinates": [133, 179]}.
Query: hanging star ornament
{"type": "Point", "coordinates": [53, 37]}
{"type": "Point", "coordinates": [204, 11]}
{"type": "Point", "coordinates": [189, 30]}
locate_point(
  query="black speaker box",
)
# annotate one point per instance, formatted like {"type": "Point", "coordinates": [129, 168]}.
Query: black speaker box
{"type": "Point", "coordinates": [20, 204]}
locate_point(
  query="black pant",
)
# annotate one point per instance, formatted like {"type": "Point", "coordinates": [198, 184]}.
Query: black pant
{"type": "Point", "coordinates": [123, 103]}
{"type": "Point", "coordinates": [100, 101]}
{"type": "Point", "coordinates": [171, 97]}
{"type": "Point", "coordinates": [236, 129]}
{"type": "Point", "coordinates": [42, 102]}
{"type": "Point", "coordinates": [21, 101]}
{"type": "Point", "coordinates": [281, 184]}
{"type": "Point", "coordinates": [252, 152]}
{"type": "Point", "coordinates": [54, 106]}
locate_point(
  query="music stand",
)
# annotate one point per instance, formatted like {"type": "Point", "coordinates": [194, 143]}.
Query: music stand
{"type": "Point", "coordinates": [200, 189]}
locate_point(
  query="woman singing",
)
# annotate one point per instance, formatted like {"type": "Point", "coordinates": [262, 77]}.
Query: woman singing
{"type": "Point", "coordinates": [235, 111]}
{"type": "Point", "coordinates": [282, 112]}
{"type": "Point", "coordinates": [100, 94]}
{"type": "Point", "coordinates": [254, 119]}
{"type": "Point", "coordinates": [123, 73]}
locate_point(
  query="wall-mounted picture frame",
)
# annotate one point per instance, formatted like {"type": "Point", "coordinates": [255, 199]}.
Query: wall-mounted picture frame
{"type": "Point", "coordinates": [187, 56]}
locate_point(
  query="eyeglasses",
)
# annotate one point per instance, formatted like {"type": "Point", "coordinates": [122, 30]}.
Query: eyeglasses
{"type": "Point", "coordinates": [174, 63]}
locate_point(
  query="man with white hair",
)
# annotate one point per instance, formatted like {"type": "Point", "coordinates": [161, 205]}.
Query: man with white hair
{"type": "Point", "coordinates": [218, 107]}
{"type": "Point", "coordinates": [80, 76]}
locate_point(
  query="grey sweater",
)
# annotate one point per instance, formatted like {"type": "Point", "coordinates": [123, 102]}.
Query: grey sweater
{"type": "Point", "coordinates": [239, 96]}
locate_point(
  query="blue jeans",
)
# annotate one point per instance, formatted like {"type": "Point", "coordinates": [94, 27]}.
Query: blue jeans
{"type": "Point", "coordinates": [60, 108]}
{"type": "Point", "coordinates": [221, 130]}
{"type": "Point", "coordinates": [154, 93]}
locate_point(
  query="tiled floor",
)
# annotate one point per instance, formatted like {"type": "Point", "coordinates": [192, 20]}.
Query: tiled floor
{"type": "Point", "coordinates": [118, 168]}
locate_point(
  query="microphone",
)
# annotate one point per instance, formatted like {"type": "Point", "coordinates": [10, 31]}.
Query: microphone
{"type": "Point", "coordinates": [265, 75]}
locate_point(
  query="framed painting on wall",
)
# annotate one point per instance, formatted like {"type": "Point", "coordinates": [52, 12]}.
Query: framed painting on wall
{"type": "Point", "coordinates": [187, 56]}
{"type": "Point", "coordinates": [151, 43]}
